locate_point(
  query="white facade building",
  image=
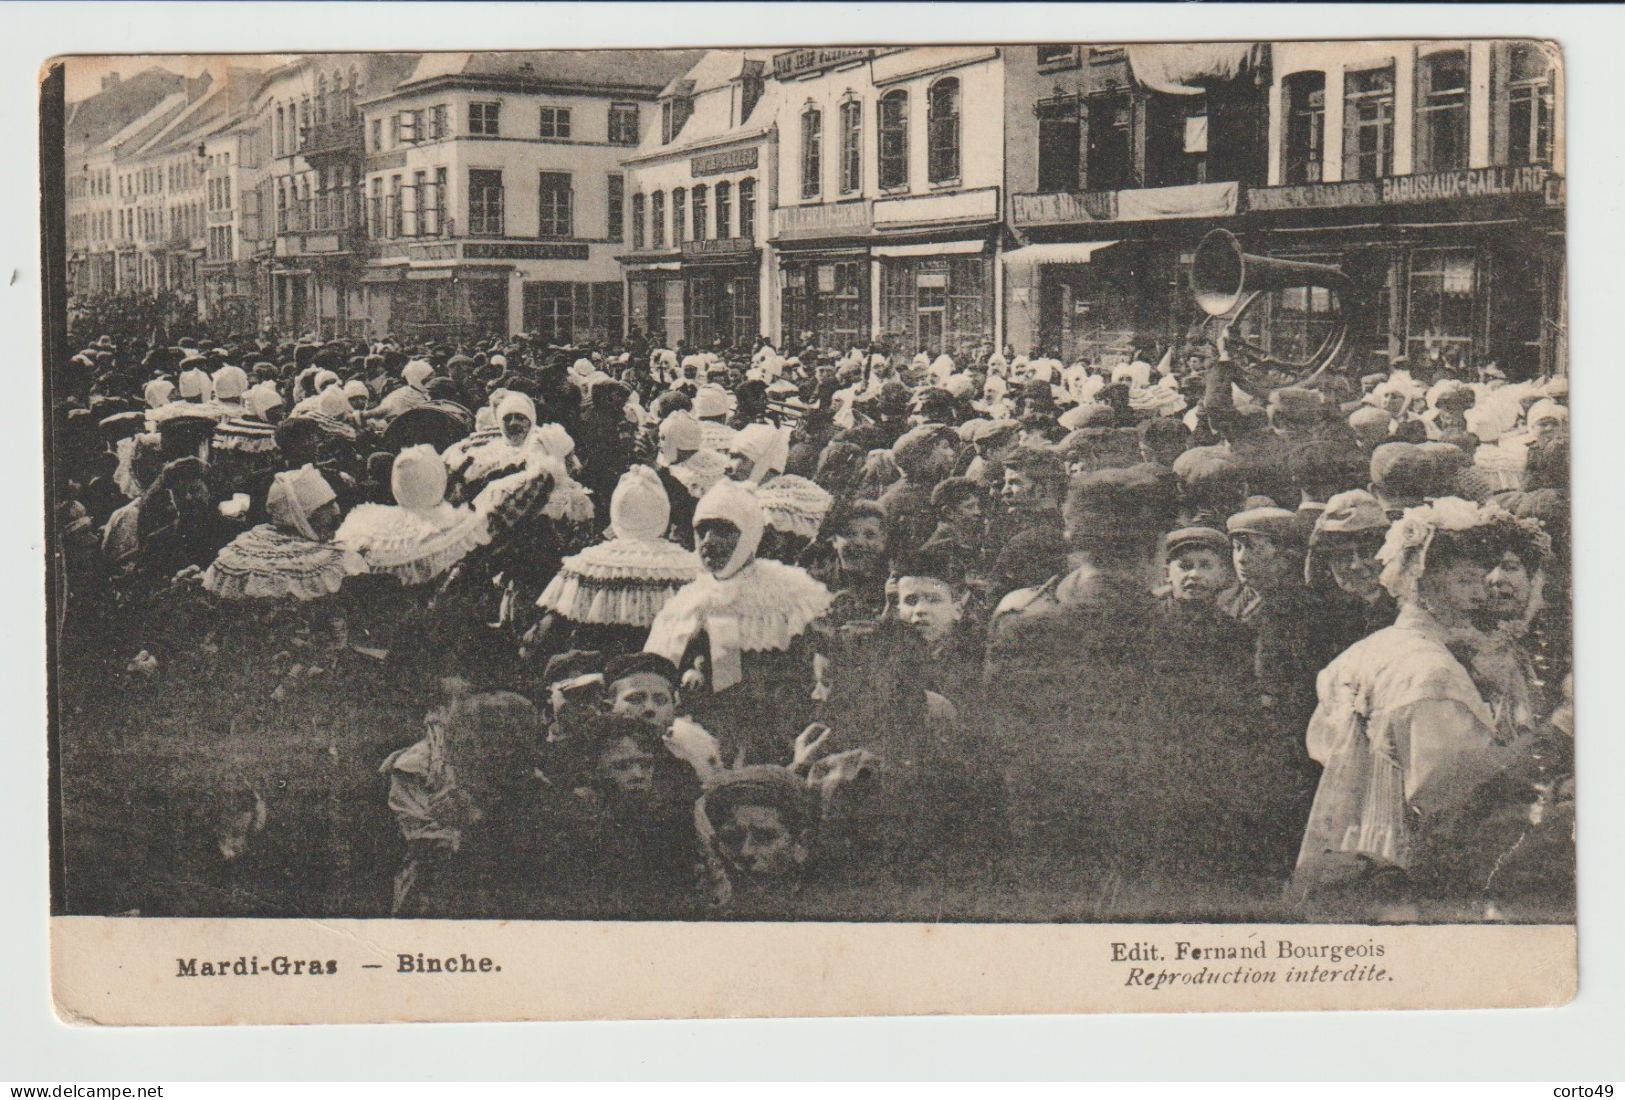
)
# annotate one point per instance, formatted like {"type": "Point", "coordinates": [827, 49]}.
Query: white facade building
{"type": "Point", "coordinates": [699, 267]}
{"type": "Point", "coordinates": [889, 196]}
{"type": "Point", "coordinates": [495, 196]}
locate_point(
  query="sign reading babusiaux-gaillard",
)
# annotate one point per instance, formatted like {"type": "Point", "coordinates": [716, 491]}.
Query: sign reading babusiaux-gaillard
{"type": "Point", "coordinates": [1471, 183]}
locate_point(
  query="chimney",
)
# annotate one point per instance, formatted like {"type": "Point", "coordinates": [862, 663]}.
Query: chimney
{"type": "Point", "coordinates": [109, 80]}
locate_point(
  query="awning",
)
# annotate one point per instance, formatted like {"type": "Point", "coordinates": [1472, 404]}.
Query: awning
{"type": "Point", "coordinates": [635, 269]}
{"type": "Point", "coordinates": [1067, 252]}
{"type": "Point", "coordinates": [932, 248]}
{"type": "Point", "coordinates": [1181, 69]}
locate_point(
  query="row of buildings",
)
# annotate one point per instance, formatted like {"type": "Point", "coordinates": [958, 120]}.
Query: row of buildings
{"type": "Point", "coordinates": [1048, 197]}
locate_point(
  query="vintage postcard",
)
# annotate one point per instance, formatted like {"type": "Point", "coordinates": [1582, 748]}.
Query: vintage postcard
{"type": "Point", "coordinates": [800, 530]}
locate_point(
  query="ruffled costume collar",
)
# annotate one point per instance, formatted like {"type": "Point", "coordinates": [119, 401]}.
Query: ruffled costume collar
{"type": "Point", "coordinates": [762, 608]}
{"type": "Point", "coordinates": [266, 563]}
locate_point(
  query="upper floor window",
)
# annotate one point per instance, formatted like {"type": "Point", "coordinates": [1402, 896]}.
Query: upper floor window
{"type": "Point", "coordinates": [554, 205]}
{"type": "Point", "coordinates": [1441, 111]}
{"type": "Point", "coordinates": [679, 214]}
{"type": "Point", "coordinates": [1368, 123]}
{"type": "Point", "coordinates": [892, 128]}
{"type": "Point", "coordinates": [724, 208]}
{"type": "Point", "coordinates": [698, 196]}
{"type": "Point", "coordinates": [637, 223]}
{"type": "Point", "coordinates": [1110, 156]}
{"type": "Point", "coordinates": [851, 146]}
{"type": "Point", "coordinates": [555, 123]}
{"type": "Point", "coordinates": [1529, 104]}
{"type": "Point", "coordinates": [437, 122]}
{"type": "Point", "coordinates": [747, 208]}
{"type": "Point", "coordinates": [1059, 144]}
{"type": "Point", "coordinates": [657, 219]}
{"type": "Point", "coordinates": [750, 94]}
{"type": "Point", "coordinates": [1055, 58]}
{"type": "Point", "coordinates": [1305, 98]}
{"type": "Point", "coordinates": [483, 119]}
{"type": "Point", "coordinates": [674, 111]}
{"type": "Point", "coordinates": [615, 199]}
{"type": "Point", "coordinates": [485, 202]}
{"type": "Point", "coordinates": [623, 123]}
{"type": "Point", "coordinates": [812, 151]}
{"type": "Point", "coordinates": [942, 131]}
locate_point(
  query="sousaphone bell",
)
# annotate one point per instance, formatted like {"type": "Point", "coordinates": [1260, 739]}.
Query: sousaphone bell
{"type": "Point", "coordinates": [1227, 281]}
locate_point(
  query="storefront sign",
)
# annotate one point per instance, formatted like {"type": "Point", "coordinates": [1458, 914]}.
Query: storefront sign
{"type": "Point", "coordinates": [729, 160]}
{"type": "Point", "coordinates": [722, 246]}
{"type": "Point", "coordinates": [1062, 207]}
{"type": "Point", "coordinates": [1557, 191]}
{"type": "Point", "coordinates": [950, 206]}
{"type": "Point", "coordinates": [842, 219]}
{"type": "Point", "coordinates": [1306, 196]}
{"type": "Point", "coordinates": [504, 250]}
{"type": "Point", "coordinates": [1473, 183]}
{"type": "Point", "coordinates": [793, 63]}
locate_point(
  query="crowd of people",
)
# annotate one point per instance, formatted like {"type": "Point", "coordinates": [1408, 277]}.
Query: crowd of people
{"type": "Point", "coordinates": [729, 629]}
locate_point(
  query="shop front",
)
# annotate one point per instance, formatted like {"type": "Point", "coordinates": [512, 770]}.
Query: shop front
{"type": "Point", "coordinates": [825, 280]}
{"type": "Point", "coordinates": [445, 303]}
{"type": "Point", "coordinates": [937, 277]}
{"type": "Point", "coordinates": [936, 297]}
{"type": "Point", "coordinates": [721, 284]}
{"type": "Point", "coordinates": [1103, 270]}
{"type": "Point", "coordinates": [825, 298]}
{"type": "Point", "coordinates": [1467, 266]}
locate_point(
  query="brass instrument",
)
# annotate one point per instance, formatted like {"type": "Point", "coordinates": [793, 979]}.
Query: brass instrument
{"type": "Point", "coordinates": [1226, 281]}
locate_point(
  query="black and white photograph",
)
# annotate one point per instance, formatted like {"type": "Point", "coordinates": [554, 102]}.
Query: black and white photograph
{"type": "Point", "coordinates": [1028, 484]}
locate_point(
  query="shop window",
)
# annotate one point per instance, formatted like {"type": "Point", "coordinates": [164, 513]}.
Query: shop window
{"type": "Point", "coordinates": [623, 123]}
{"type": "Point", "coordinates": [485, 202]}
{"type": "Point", "coordinates": [615, 205]}
{"type": "Point", "coordinates": [698, 198]}
{"type": "Point", "coordinates": [484, 119]}
{"type": "Point", "coordinates": [555, 124]}
{"type": "Point", "coordinates": [1059, 134]}
{"type": "Point", "coordinates": [936, 304]}
{"type": "Point", "coordinates": [892, 131]}
{"type": "Point", "coordinates": [1305, 95]}
{"type": "Point", "coordinates": [1442, 291]}
{"type": "Point", "coordinates": [1441, 111]}
{"type": "Point", "coordinates": [1530, 104]}
{"type": "Point", "coordinates": [657, 219]}
{"type": "Point", "coordinates": [1110, 163]}
{"type": "Point", "coordinates": [549, 311]}
{"type": "Point", "coordinates": [637, 223]}
{"type": "Point", "coordinates": [851, 146]}
{"type": "Point", "coordinates": [812, 151]}
{"type": "Point", "coordinates": [1301, 317]}
{"type": "Point", "coordinates": [747, 208]}
{"type": "Point", "coordinates": [942, 131]}
{"type": "Point", "coordinates": [1368, 123]}
{"type": "Point", "coordinates": [679, 215]}
{"type": "Point", "coordinates": [555, 202]}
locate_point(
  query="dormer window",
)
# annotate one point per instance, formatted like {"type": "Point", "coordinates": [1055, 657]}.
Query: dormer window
{"type": "Point", "coordinates": [674, 111]}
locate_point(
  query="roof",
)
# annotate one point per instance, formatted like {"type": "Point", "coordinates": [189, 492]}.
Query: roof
{"type": "Point", "coordinates": [99, 117]}
{"type": "Point", "coordinates": [709, 84]}
{"type": "Point", "coordinates": [630, 70]}
{"type": "Point", "coordinates": [718, 69]}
